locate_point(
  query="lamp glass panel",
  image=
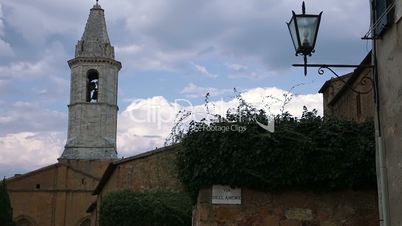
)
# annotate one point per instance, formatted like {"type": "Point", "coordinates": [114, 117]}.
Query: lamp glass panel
{"type": "Point", "coordinates": [307, 31]}
{"type": "Point", "coordinates": [293, 33]}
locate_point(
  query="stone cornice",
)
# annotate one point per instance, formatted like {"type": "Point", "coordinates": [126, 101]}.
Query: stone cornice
{"type": "Point", "coordinates": [76, 60]}
{"type": "Point", "coordinates": [98, 103]}
{"type": "Point", "coordinates": [94, 147]}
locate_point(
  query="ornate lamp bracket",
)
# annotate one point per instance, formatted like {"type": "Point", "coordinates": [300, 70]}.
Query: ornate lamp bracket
{"type": "Point", "coordinates": [322, 67]}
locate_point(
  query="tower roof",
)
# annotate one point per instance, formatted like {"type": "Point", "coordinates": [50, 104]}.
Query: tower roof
{"type": "Point", "coordinates": [95, 40]}
{"type": "Point", "coordinates": [95, 29]}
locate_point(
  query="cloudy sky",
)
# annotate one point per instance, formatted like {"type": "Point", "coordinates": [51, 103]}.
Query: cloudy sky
{"type": "Point", "coordinates": [173, 52]}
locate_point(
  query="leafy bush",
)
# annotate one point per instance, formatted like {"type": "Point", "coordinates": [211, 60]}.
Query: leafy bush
{"type": "Point", "coordinates": [310, 153]}
{"type": "Point", "coordinates": [128, 208]}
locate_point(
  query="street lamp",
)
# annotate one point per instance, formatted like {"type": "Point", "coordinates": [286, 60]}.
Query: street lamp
{"type": "Point", "coordinates": [303, 30]}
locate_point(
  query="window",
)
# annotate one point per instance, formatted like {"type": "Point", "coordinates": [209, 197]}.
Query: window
{"type": "Point", "coordinates": [92, 86]}
{"type": "Point", "coordinates": [383, 15]}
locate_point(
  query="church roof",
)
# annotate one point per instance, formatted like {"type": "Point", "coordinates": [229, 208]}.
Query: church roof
{"type": "Point", "coordinates": [51, 167]}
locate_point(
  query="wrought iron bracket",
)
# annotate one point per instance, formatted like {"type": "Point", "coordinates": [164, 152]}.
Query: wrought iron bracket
{"type": "Point", "coordinates": [329, 67]}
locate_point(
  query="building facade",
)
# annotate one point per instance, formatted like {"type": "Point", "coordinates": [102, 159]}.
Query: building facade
{"type": "Point", "coordinates": [351, 96]}
{"type": "Point", "coordinates": [386, 33]}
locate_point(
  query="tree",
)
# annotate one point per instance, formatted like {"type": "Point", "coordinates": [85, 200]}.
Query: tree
{"type": "Point", "coordinates": [6, 212]}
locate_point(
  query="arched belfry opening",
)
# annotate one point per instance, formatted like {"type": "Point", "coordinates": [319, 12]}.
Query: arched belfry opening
{"type": "Point", "coordinates": [92, 86]}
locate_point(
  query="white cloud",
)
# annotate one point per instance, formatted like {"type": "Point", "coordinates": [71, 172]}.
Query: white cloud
{"type": "Point", "coordinates": [192, 91]}
{"type": "Point", "coordinates": [1, 21]}
{"type": "Point", "coordinates": [275, 99]}
{"type": "Point", "coordinates": [29, 150]}
{"type": "Point", "coordinates": [47, 66]}
{"type": "Point", "coordinates": [146, 123]}
{"type": "Point", "coordinates": [131, 49]}
{"type": "Point", "coordinates": [31, 117]}
{"type": "Point", "coordinates": [142, 126]}
{"type": "Point", "coordinates": [31, 136]}
{"type": "Point", "coordinates": [24, 70]}
{"type": "Point", "coordinates": [204, 71]}
{"type": "Point", "coordinates": [4, 87]}
{"type": "Point", "coordinates": [5, 47]}
{"type": "Point", "coordinates": [39, 19]}
{"type": "Point", "coordinates": [171, 33]}
{"type": "Point", "coordinates": [162, 35]}
{"type": "Point", "coordinates": [254, 72]}
{"type": "Point", "coordinates": [148, 57]}
{"type": "Point", "coordinates": [237, 67]}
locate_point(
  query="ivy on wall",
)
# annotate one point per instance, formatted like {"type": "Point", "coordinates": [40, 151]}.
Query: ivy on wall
{"type": "Point", "coordinates": [126, 208]}
{"type": "Point", "coordinates": [307, 153]}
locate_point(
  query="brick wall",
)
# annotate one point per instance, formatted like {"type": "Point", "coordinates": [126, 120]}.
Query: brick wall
{"type": "Point", "coordinates": [346, 208]}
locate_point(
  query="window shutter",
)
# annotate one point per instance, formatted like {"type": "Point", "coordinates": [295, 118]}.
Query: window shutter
{"type": "Point", "coordinates": [379, 8]}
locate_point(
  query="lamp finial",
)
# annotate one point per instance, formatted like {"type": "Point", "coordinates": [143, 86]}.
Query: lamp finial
{"type": "Point", "coordinates": [303, 7]}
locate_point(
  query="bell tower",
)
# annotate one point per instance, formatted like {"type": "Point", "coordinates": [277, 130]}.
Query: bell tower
{"type": "Point", "coordinates": [92, 112]}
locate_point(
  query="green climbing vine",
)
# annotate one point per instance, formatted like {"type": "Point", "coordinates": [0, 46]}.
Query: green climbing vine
{"type": "Point", "coordinates": [306, 153]}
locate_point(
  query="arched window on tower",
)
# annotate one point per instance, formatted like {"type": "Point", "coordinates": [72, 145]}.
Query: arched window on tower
{"type": "Point", "coordinates": [92, 86]}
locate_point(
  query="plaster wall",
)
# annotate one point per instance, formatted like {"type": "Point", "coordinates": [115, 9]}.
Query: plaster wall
{"type": "Point", "coordinates": [389, 63]}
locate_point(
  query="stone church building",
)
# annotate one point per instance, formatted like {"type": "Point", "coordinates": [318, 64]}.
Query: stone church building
{"type": "Point", "coordinates": [61, 193]}
{"type": "Point", "coordinates": [69, 193]}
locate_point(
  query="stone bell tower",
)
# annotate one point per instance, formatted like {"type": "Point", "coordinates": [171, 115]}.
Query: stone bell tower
{"type": "Point", "coordinates": [92, 112]}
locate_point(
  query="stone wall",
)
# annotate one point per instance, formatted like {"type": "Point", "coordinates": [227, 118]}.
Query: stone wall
{"type": "Point", "coordinates": [353, 106]}
{"type": "Point", "coordinates": [330, 88]}
{"type": "Point", "coordinates": [346, 208]}
{"type": "Point", "coordinates": [389, 67]}
{"type": "Point", "coordinates": [151, 171]}
{"type": "Point", "coordinates": [343, 103]}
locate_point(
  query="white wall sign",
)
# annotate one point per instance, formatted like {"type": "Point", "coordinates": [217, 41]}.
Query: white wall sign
{"type": "Point", "coordinates": [226, 195]}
